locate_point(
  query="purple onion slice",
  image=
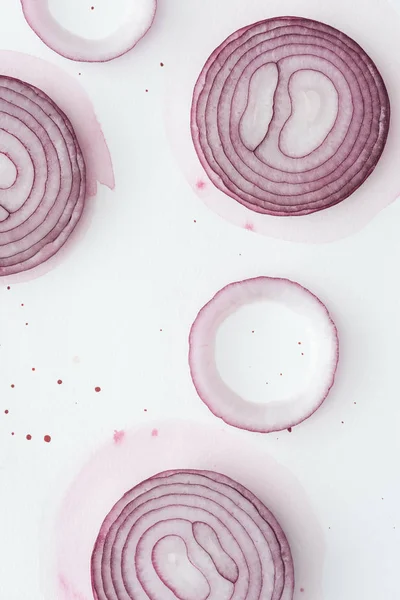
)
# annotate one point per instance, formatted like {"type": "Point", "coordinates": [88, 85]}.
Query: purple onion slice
{"type": "Point", "coordinates": [38, 16]}
{"type": "Point", "coordinates": [191, 535]}
{"type": "Point", "coordinates": [289, 116]}
{"type": "Point", "coordinates": [223, 401]}
{"type": "Point", "coordinates": [42, 203]}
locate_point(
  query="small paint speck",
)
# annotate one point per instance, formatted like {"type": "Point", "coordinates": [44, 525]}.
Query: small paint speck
{"type": "Point", "coordinates": [26, 323]}
{"type": "Point", "coordinates": [146, 91]}
{"type": "Point", "coordinates": [280, 374]}
{"type": "Point", "coordinates": [6, 412]}
{"type": "Point", "coordinates": [342, 422]}
{"type": "Point", "coordinates": [92, 8]}
{"type": "Point", "coordinates": [12, 385]}
{"type": "Point", "coordinates": [59, 381]}
{"type": "Point", "coordinates": [12, 433]}
{"type": "Point", "coordinates": [289, 429]}
{"type": "Point", "coordinates": [22, 304]}
{"type": "Point", "coordinates": [97, 389]}
{"type": "Point", "coordinates": [252, 331]}
{"type": "Point", "coordinates": [154, 433]}
{"type": "Point", "coordinates": [161, 64]}
{"type": "Point", "coordinates": [118, 436]}
{"type": "Point", "coordinates": [302, 589]}
{"type": "Point", "coordinates": [145, 410]}
{"type": "Point", "coordinates": [200, 184]}
{"type": "Point", "coordinates": [29, 437]}
{"type": "Point", "coordinates": [302, 353]}
{"type": "Point", "coordinates": [194, 221]}
{"type": "Point", "coordinates": [355, 402]}
{"type": "Point", "coordinates": [160, 329]}
{"type": "Point", "coordinates": [47, 439]}
{"type": "Point", "coordinates": [249, 226]}
{"type": "Point", "coordinates": [8, 287]}
{"type": "Point", "coordinates": [33, 369]}
{"type": "Point", "coordinates": [299, 343]}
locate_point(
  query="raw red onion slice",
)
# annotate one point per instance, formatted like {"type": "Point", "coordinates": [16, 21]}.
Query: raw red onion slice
{"type": "Point", "coordinates": [289, 116]}
{"type": "Point", "coordinates": [40, 208]}
{"type": "Point", "coordinates": [39, 18]}
{"type": "Point", "coordinates": [192, 535]}
{"type": "Point", "coordinates": [230, 406]}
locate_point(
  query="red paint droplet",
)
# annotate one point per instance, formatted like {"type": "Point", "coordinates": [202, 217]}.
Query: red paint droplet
{"type": "Point", "coordinates": [161, 64]}
{"type": "Point", "coordinates": [8, 287]}
{"type": "Point", "coordinates": [12, 433]}
{"type": "Point", "coordinates": [6, 412]}
{"type": "Point", "coordinates": [299, 343]}
{"type": "Point", "coordinates": [154, 433]}
{"type": "Point", "coordinates": [22, 304]}
{"type": "Point", "coordinates": [200, 184]}
{"type": "Point", "coordinates": [47, 439]}
{"type": "Point", "coordinates": [118, 436]}
{"type": "Point", "coordinates": [97, 389]}
{"type": "Point", "coordinates": [146, 90]}
{"type": "Point", "coordinates": [29, 437]}
{"type": "Point", "coordinates": [12, 385]}
{"type": "Point", "coordinates": [289, 429]}
{"type": "Point", "coordinates": [59, 381]}
{"type": "Point", "coordinates": [33, 369]}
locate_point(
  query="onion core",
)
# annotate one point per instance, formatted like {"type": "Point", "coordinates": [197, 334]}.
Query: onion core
{"type": "Point", "coordinates": [43, 180]}
{"type": "Point", "coordinates": [289, 116]}
{"type": "Point", "coordinates": [192, 535]}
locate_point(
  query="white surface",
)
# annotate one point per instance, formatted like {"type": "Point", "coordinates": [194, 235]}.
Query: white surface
{"type": "Point", "coordinates": [143, 266]}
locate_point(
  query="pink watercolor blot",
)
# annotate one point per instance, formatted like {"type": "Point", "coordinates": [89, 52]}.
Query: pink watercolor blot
{"type": "Point", "coordinates": [249, 226]}
{"type": "Point", "coordinates": [118, 436]}
{"type": "Point", "coordinates": [200, 184]}
{"type": "Point", "coordinates": [154, 433]}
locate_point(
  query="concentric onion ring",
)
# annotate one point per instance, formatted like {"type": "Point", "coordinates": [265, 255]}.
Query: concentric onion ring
{"type": "Point", "coordinates": [289, 116]}
{"type": "Point", "coordinates": [192, 535]}
{"type": "Point", "coordinates": [75, 47]}
{"type": "Point", "coordinates": [226, 403]}
{"type": "Point", "coordinates": [40, 209]}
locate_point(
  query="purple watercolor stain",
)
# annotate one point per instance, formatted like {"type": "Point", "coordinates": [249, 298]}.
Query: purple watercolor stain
{"type": "Point", "coordinates": [118, 436]}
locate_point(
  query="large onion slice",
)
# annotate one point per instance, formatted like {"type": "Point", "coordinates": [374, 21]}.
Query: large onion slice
{"type": "Point", "coordinates": [192, 535]}
{"type": "Point", "coordinates": [39, 18]}
{"type": "Point", "coordinates": [41, 205]}
{"type": "Point", "coordinates": [289, 116]}
{"type": "Point", "coordinates": [227, 404]}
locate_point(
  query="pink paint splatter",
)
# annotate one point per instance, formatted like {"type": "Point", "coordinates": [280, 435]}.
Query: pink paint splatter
{"type": "Point", "coordinates": [118, 436]}
{"type": "Point", "coordinates": [200, 184]}
{"type": "Point", "coordinates": [302, 589]}
{"type": "Point", "coordinates": [249, 226]}
{"type": "Point", "coordinates": [154, 433]}
{"type": "Point", "coordinates": [47, 439]}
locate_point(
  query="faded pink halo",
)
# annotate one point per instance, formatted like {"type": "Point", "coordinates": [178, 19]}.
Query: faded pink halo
{"type": "Point", "coordinates": [223, 401]}
{"type": "Point", "coordinates": [72, 523]}
{"type": "Point", "coordinates": [60, 95]}
{"type": "Point", "coordinates": [380, 189]}
{"type": "Point", "coordinates": [38, 16]}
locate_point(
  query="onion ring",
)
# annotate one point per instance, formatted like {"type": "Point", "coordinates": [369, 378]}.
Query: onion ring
{"type": "Point", "coordinates": [220, 398]}
{"type": "Point", "coordinates": [75, 47]}
{"type": "Point", "coordinates": [192, 535]}
{"type": "Point", "coordinates": [289, 116]}
{"type": "Point", "coordinates": [40, 208]}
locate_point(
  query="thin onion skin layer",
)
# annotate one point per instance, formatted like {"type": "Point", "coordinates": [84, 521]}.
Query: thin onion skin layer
{"type": "Point", "coordinates": [41, 208]}
{"type": "Point", "coordinates": [75, 47]}
{"type": "Point", "coordinates": [222, 542]}
{"type": "Point", "coordinates": [267, 177]}
{"type": "Point", "coordinates": [223, 401]}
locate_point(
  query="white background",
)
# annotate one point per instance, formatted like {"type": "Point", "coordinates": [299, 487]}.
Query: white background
{"type": "Point", "coordinates": [145, 265]}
